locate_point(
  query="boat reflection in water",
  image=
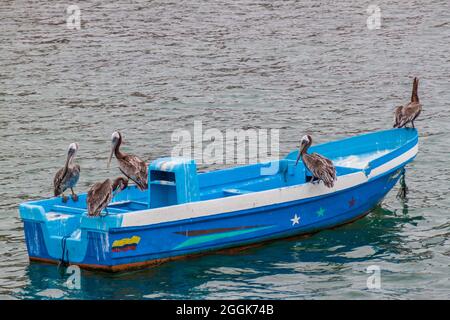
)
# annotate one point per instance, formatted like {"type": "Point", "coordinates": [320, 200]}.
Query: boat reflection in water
{"type": "Point", "coordinates": [309, 263]}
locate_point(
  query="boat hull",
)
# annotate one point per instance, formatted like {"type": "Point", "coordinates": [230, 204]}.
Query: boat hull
{"type": "Point", "coordinates": [137, 247]}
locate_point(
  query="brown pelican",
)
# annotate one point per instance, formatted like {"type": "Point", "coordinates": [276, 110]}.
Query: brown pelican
{"type": "Point", "coordinates": [67, 177]}
{"type": "Point", "coordinates": [101, 193]}
{"type": "Point", "coordinates": [130, 165]}
{"type": "Point", "coordinates": [320, 167]}
{"type": "Point", "coordinates": [409, 112]}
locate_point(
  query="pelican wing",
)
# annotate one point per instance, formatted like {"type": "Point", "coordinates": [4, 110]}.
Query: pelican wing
{"type": "Point", "coordinates": [65, 178]}
{"type": "Point", "coordinates": [57, 181]}
{"type": "Point", "coordinates": [322, 168]}
{"type": "Point", "coordinates": [398, 116]}
{"type": "Point", "coordinates": [98, 197]}
{"type": "Point", "coordinates": [135, 169]}
{"type": "Point", "coordinates": [328, 165]}
{"type": "Point", "coordinates": [323, 159]}
{"type": "Point", "coordinates": [409, 113]}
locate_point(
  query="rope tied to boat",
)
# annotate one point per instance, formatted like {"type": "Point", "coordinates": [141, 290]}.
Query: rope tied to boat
{"type": "Point", "coordinates": [65, 252]}
{"type": "Point", "coordinates": [403, 191]}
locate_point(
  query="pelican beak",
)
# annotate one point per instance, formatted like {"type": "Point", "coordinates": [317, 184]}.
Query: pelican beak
{"type": "Point", "coordinates": [115, 140]}
{"type": "Point", "coordinates": [110, 157]}
{"type": "Point", "coordinates": [298, 157]}
{"type": "Point", "coordinates": [303, 143]}
{"type": "Point", "coordinates": [113, 147]}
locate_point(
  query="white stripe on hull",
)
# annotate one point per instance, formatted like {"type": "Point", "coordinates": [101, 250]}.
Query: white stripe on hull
{"type": "Point", "coordinates": [256, 199]}
{"type": "Point", "coordinates": [395, 162]}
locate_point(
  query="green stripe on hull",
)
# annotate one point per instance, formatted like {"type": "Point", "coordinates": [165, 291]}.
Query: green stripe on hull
{"type": "Point", "coordinates": [212, 237]}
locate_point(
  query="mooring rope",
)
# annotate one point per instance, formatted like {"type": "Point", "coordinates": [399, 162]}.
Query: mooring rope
{"type": "Point", "coordinates": [62, 261]}
{"type": "Point", "coordinates": [402, 192]}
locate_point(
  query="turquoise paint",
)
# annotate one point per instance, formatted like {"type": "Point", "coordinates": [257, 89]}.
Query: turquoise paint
{"type": "Point", "coordinates": [212, 237]}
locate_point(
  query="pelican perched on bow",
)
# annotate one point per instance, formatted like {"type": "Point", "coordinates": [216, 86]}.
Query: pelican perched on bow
{"type": "Point", "coordinates": [67, 177]}
{"type": "Point", "coordinates": [320, 167]}
{"type": "Point", "coordinates": [130, 165]}
{"type": "Point", "coordinates": [101, 193]}
{"type": "Point", "coordinates": [408, 113]}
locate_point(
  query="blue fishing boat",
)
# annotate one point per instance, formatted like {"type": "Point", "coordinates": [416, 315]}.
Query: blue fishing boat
{"type": "Point", "coordinates": [185, 213]}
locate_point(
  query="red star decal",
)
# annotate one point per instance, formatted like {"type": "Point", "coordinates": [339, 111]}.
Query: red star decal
{"type": "Point", "coordinates": [352, 202]}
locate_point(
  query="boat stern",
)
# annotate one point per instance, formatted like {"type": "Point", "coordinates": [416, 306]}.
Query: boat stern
{"type": "Point", "coordinates": [56, 232]}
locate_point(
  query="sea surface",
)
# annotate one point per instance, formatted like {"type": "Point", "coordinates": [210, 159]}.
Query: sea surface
{"type": "Point", "coordinates": [149, 68]}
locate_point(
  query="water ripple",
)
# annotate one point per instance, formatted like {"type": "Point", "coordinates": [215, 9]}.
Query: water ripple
{"type": "Point", "coordinates": [150, 68]}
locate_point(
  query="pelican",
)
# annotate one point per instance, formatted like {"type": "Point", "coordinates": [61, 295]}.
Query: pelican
{"type": "Point", "coordinates": [320, 167]}
{"type": "Point", "coordinates": [67, 177]}
{"type": "Point", "coordinates": [410, 112]}
{"type": "Point", "coordinates": [130, 165]}
{"type": "Point", "coordinates": [101, 193]}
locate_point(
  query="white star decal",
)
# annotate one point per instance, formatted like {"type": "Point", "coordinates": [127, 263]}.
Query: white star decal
{"type": "Point", "coordinates": [295, 220]}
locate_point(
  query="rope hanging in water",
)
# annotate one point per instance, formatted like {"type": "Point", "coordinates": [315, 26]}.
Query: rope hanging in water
{"type": "Point", "coordinates": [403, 191]}
{"type": "Point", "coordinates": [64, 262]}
